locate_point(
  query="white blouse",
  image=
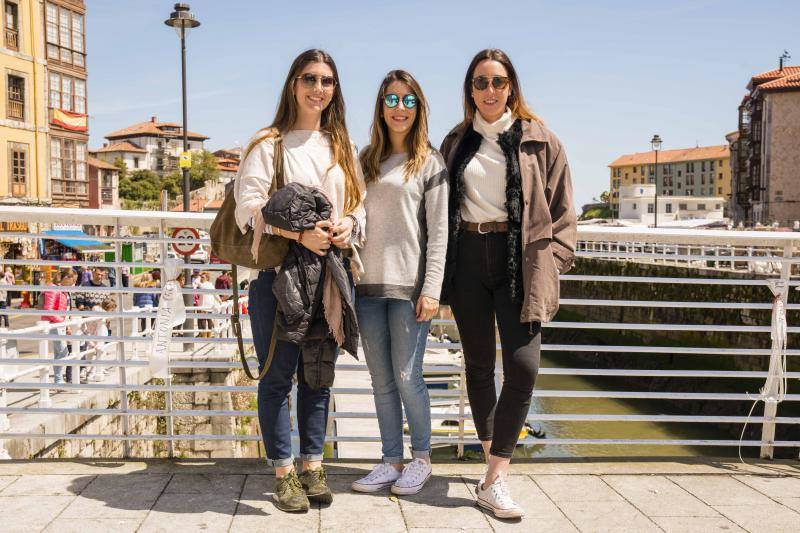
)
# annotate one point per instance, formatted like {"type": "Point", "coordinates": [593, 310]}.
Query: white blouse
{"type": "Point", "coordinates": [307, 159]}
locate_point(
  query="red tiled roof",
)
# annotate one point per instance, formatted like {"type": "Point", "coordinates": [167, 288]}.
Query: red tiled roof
{"type": "Point", "coordinates": [787, 82]}
{"type": "Point", "coordinates": [153, 128]}
{"type": "Point", "coordinates": [777, 73]}
{"type": "Point", "coordinates": [673, 156]}
{"type": "Point", "coordinates": [99, 163]}
{"type": "Point", "coordinates": [213, 205]}
{"type": "Point", "coordinates": [124, 146]}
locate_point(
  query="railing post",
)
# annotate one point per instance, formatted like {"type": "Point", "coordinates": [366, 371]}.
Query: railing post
{"type": "Point", "coordinates": [122, 371]}
{"type": "Point", "coordinates": [771, 403]}
{"type": "Point", "coordinates": [4, 423]}
{"type": "Point", "coordinates": [135, 332]}
{"type": "Point", "coordinates": [75, 345]}
{"type": "Point", "coordinates": [44, 353]}
{"type": "Point", "coordinates": [462, 391]}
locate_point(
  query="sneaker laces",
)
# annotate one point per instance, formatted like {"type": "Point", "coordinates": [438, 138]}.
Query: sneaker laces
{"type": "Point", "coordinates": [378, 471]}
{"type": "Point", "coordinates": [415, 469]}
{"type": "Point", "coordinates": [501, 493]}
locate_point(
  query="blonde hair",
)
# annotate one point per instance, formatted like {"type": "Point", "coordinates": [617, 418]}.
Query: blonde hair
{"type": "Point", "coordinates": [417, 141]}
{"type": "Point", "coordinates": [145, 279]}
{"type": "Point", "coordinates": [516, 102]}
{"type": "Point", "coordinates": [332, 123]}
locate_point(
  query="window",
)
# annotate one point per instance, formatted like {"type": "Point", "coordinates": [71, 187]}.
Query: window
{"type": "Point", "coordinates": [683, 207]}
{"type": "Point", "coordinates": [634, 170]}
{"type": "Point", "coordinates": [67, 93]}
{"type": "Point", "coordinates": [15, 108]}
{"type": "Point", "coordinates": [717, 207]}
{"type": "Point", "coordinates": [668, 208]}
{"type": "Point", "coordinates": [679, 184]}
{"type": "Point", "coordinates": [711, 166]}
{"type": "Point", "coordinates": [689, 192]}
{"type": "Point", "coordinates": [650, 208]}
{"type": "Point", "coordinates": [68, 167]}
{"type": "Point", "coordinates": [701, 207]}
{"type": "Point", "coordinates": [11, 25]}
{"type": "Point", "coordinates": [711, 179]}
{"type": "Point", "coordinates": [702, 179]}
{"type": "Point", "coordinates": [720, 176]}
{"type": "Point", "coordinates": [136, 162]}
{"type": "Point", "coordinates": [702, 166]}
{"type": "Point", "coordinates": [679, 173]}
{"type": "Point", "coordinates": [720, 190]}
{"type": "Point", "coordinates": [634, 207]}
{"type": "Point", "coordinates": [18, 156]}
{"type": "Point", "coordinates": [64, 33]}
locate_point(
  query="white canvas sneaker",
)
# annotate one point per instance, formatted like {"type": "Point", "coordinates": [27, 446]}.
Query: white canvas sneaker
{"type": "Point", "coordinates": [497, 499]}
{"type": "Point", "coordinates": [414, 476]}
{"type": "Point", "coordinates": [382, 476]}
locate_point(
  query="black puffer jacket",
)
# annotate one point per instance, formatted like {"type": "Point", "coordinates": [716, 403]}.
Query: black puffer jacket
{"type": "Point", "coordinates": [299, 285]}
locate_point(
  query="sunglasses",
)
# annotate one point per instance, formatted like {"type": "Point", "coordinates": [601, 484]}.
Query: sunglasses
{"type": "Point", "coordinates": [409, 101]}
{"type": "Point", "coordinates": [310, 81]}
{"type": "Point", "coordinates": [481, 83]}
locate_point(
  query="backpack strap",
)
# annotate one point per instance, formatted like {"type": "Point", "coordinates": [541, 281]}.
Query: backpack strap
{"type": "Point", "coordinates": [237, 330]}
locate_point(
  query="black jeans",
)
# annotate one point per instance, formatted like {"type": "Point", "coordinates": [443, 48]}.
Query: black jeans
{"type": "Point", "coordinates": [479, 294]}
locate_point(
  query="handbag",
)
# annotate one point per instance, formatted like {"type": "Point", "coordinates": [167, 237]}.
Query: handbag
{"type": "Point", "coordinates": [231, 245]}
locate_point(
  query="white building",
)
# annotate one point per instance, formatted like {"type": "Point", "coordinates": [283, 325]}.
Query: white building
{"type": "Point", "coordinates": [150, 145]}
{"type": "Point", "coordinates": [638, 206]}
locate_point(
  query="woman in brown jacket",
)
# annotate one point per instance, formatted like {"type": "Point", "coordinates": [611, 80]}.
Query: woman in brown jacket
{"type": "Point", "coordinates": [512, 231]}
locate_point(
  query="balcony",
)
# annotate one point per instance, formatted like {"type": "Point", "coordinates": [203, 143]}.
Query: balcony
{"type": "Point", "coordinates": [12, 39]}
{"type": "Point", "coordinates": [15, 109]}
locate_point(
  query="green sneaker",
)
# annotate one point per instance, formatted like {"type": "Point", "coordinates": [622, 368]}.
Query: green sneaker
{"type": "Point", "coordinates": [315, 484]}
{"type": "Point", "coordinates": [289, 495]}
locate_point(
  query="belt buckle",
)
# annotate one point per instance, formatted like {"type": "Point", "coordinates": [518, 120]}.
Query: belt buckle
{"type": "Point", "coordinates": [480, 232]}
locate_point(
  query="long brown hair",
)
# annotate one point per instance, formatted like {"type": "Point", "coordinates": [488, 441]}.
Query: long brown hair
{"type": "Point", "coordinates": [332, 123]}
{"type": "Point", "coordinates": [417, 141]}
{"type": "Point", "coordinates": [516, 101]}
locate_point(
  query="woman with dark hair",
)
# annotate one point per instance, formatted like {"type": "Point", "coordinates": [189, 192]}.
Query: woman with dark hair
{"type": "Point", "coordinates": [310, 122]}
{"type": "Point", "coordinates": [398, 294]}
{"type": "Point", "coordinates": [512, 231]}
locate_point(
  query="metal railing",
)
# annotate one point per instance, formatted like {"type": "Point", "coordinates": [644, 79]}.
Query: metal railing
{"type": "Point", "coordinates": [12, 39]}
{"type": "Point", "coordinates": [131, 342]}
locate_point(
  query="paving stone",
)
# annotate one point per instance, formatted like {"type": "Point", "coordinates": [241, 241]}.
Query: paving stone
{"type": "Point", "coordinates": [205, 483]}
{"type": "Point", "coordinates": [602, 516]}
{"type": "Point", "coordinates": [118, 496]}
{"type": "Point", "coordinates": [695, 524]}
{"type": "Point", "coordinates": [355, 513]}
{"type": "Point", "coordinates": [578, 488]}
{"type": "Point", "coordinates": [721, 490]}
{"type": "Point", "coordinates": [658, 496]}
{"type": "Point", "coordinates": [791, 503]}
{"type": "Point", "coordinates": [48, 485]}
{"type": "Point", "coordinates": [257, 512]}
{"type": "Point", "coordinates": [6, 481]}
{"type": "Point", "coordinates": [466, 516]}
{"type": "Point", "coordinates": [770, 518]}
{"type": "Point", "coordinates": [93, 525]}
{"type": "Point", "coordinates": [774, 487]}
{"type": "Point", "coordinates": [442, 491]}
{"type": "Point", "coordinates": [541, 514]}
{"type": "Point", "coordinates": [191, 512]}
{"type": "Point", "coordinates": [25, 514]}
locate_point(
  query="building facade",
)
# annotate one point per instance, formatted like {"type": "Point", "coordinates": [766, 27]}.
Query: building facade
{"type": "Point", "coordinates": [23, 109]}
{"type": "Point", "coordinates": [689, 172]}
{"type": "Point", "coordinates": [767, 167]}
{"type": "Point", "coordinates": [228, 161]}
{"type": "Point", "coordinates": [638, 205]}
{"type": "Point", "coordinates": [65, 43]}
{"type": "Point", "coordinates": [150, 145]}
{"type": "Point", "coordinates": [103, 185]}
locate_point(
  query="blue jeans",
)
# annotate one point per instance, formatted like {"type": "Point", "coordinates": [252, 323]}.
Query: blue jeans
{"type": "Point", "coordinates": [275, 387]}
{"type": "Point", "coordinates": [60, 351]}
{"type": "Point", "coordinates": [394, 345]}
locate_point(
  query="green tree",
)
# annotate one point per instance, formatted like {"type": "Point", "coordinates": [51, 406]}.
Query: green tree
{"type": "Point", "coordinates": [204, 168]}
{"type": "Point", "coordinates": [123, 168]}
{"type": "Point", "coordinates": [605, 197]}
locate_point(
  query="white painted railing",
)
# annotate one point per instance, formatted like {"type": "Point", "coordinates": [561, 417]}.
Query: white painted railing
{"type": "Point", "coordinates": [686, 247]}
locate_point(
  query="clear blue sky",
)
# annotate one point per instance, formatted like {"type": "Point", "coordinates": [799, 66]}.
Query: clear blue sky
{"type": "Point", "coordinates": [604, 75]}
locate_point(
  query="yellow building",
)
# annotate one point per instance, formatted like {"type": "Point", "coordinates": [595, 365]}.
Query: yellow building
{"type": "Point", "coordinates": [23, 109]}
{"type": "Point", "coordinates": [703, 171]}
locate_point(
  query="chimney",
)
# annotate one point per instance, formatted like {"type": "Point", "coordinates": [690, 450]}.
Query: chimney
{"type": "Point", "coordinates": [153, 119]}
{"type": "Point", "coordinates": [105, 145]}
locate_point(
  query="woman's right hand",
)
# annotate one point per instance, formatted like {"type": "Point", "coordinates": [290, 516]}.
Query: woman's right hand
{"type": "Point", "coordinates": [318, 240]}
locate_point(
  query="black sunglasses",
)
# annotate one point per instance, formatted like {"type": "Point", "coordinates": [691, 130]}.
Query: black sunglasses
{"type": "Point", "coordinates": [481, 83]}
{"type": "Point", "coordinates": [310, 81]}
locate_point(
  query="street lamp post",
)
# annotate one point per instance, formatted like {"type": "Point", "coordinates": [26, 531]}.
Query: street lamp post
{"type": "Point", "coordinates": [655, 142]}
{"type": "Point", "coordinates": [183, 21]}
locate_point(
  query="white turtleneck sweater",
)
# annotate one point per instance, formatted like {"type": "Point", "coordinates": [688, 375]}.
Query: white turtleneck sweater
{"type": "Point", "coordinates": [485, 175]}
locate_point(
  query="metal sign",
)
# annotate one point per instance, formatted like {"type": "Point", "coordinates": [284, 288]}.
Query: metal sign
{"type": "Point", "coordinates": [185, 248]}
{"type": "Point", "coordinates": [185, 160]}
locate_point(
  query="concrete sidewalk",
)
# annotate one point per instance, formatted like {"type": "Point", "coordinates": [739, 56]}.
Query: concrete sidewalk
{"type": "Point", "coordinates": [559, 496]}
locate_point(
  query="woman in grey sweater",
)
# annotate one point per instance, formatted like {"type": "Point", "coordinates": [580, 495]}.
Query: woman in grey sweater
{"type": "Point", "coordinates": [403, 259]}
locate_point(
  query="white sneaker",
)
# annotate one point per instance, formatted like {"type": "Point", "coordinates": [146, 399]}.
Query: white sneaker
{"type": "Point", "coordinates": [382, 476]}
{"type": "Point", "coordinates": [414, 476]}
{"type": "Point", "coordinates": [497, 499]}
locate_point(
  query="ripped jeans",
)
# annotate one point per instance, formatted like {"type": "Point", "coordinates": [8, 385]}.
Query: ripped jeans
{"type": "Point", "coordinates": [394, 346]}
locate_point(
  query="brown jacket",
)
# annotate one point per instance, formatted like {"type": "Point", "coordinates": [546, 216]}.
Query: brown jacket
{"type": "Point", "coordinates": [548, 219]}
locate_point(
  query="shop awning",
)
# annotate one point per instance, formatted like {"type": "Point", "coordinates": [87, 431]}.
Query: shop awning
{"type": "Point", "coordinates": [67, 238]}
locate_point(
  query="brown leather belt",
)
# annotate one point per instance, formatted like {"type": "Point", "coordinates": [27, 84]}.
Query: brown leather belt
{"type": "Point", "coordinates": [485, 227]}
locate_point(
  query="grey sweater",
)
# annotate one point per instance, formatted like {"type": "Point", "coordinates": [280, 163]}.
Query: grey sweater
{"type": "Point", "coordinates": [406, 238]}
